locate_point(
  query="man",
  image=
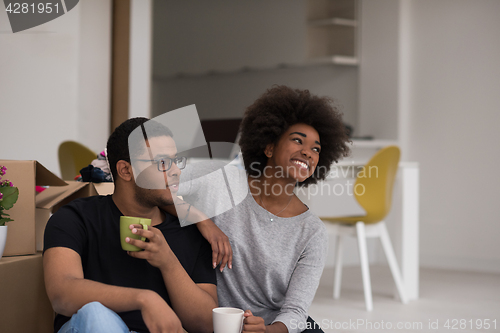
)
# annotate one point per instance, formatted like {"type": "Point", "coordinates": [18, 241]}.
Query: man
{"type": "Point", "coordinates": [94, 285]}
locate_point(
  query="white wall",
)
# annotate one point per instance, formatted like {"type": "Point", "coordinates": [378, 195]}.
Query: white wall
{"type": "Point", "coordinates": [141, 38]}
{"type": "Point", "coordinates": [228, 95]}
{"type": "Point", "coordinates": [54, 84]}
{"type": "Point", "coordinates": [378, 69]}
{"type": "Point", "coordinates": [194, 36]}
{"type": "Point", "coordinates": [198, 37]}
{"type": "Point", "coordinates": [454, 130]}
{"type": "Point", "coordinates": [94, 80]}
{"type": "Point", "coordinates": [429, 77]}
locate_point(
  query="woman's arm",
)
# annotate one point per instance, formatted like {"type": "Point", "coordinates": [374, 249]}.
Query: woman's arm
{"type": "Point", "coordinates": [214, 188]}
{"type": "Point", "coordinates": [300, 289]}
{"type": "Point", "coordinates": [304, 281]}
{"type": "Point", "coordinates": [222, 252]}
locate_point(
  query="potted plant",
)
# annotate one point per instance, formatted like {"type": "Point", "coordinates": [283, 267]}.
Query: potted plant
{"type": "Point", "coordinates": [8, 197]}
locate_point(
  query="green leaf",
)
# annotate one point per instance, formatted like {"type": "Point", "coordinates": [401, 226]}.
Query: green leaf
{"type": "Point", "coordinates": [2, 221]}
{"type": "Point", "coordinates": [10, 195]}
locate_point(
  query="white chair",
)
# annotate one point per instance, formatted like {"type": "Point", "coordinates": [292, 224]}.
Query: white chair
{"type": "Point", "coordinates": [376, 200]}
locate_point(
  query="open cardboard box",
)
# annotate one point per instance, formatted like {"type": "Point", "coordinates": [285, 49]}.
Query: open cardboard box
{"type": "Point", "coordinates": [53, 198]}
{"type": "Point", "coordinates": [31, 212]}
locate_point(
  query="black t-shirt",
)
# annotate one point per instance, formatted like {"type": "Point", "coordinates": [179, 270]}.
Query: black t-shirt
{"type": "Point", "coordinates": [91, 227]}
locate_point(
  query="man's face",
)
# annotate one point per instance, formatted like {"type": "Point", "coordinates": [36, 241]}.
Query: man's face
{"type": "Point", "coordinates": [154, 187]}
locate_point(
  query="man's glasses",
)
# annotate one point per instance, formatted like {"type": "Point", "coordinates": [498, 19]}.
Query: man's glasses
{"type": "Point", "coordinates": [164, 164]}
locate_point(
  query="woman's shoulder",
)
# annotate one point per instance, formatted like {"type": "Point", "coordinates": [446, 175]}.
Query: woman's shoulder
{"type": "Point", "coordinates": [315, 222]}
{"type": "Point", "coordinates": [313, 226]}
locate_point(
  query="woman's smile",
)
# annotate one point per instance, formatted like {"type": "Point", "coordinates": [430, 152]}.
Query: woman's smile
{"type": "Point", "coordinates": [297, 152]}
{"type": "Point", "coordinates": [301, 164]}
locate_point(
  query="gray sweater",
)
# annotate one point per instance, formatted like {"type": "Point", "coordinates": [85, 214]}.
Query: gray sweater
{"type": "Point", "coordinates": [276, 265]}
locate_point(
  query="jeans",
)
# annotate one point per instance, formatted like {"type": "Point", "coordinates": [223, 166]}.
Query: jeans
{"type": "Point", "coordinates": [94, 318]}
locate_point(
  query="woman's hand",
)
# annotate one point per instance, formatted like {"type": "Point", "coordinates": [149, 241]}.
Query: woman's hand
{"type": "Point", "coordinates": [253, 324]}
{"type": "Point", "coordinates": [156, 250]}
{"type": "Point", "coordinates": [221, 249]}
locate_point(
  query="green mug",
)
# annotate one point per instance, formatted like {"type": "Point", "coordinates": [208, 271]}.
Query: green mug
{"type": "Point", "coordinates": [125, 222]}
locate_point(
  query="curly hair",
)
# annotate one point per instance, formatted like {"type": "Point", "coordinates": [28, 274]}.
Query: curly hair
{"type": "Point", "coordinates": [117, 146]}
{"type": "Point", "coordinates": [280, 107]}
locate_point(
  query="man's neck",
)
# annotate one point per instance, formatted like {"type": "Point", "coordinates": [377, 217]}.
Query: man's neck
{"type": "Point", "coordinates": [128, 206]}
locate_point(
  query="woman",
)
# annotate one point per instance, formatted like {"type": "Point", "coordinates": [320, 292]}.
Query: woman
{"type": "Point", "coordinates": [288, 138]}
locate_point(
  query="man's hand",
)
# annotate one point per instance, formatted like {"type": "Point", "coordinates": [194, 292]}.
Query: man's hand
{"type": "Point", "coordinates": [68, 291]}
{"type": "Point", "coordinates": [221, 248]}
{"type": "Point", "coordinates": [253, 324]}
{"type": "Point", "coordinates": [156, 250]}
{"type": "Point", "coordinates": [183, 292]}
{"type": "Point", "coordinates": [158, 316]}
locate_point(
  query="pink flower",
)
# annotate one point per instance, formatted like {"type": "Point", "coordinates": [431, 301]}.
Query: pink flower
{"type": "Point", "coordinates": [6, 183]}
{"type": "Point", "coordinates": [1, 195]}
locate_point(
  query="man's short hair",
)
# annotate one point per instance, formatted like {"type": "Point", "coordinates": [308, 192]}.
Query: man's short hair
{"type": "Point", "coordinates": [118, 144]}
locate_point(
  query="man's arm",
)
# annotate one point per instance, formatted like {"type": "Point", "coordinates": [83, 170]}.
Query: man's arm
{"type": "Point", "coordinates": [193, 303]}
{"type": "Point", "coordinates": [68, 291]}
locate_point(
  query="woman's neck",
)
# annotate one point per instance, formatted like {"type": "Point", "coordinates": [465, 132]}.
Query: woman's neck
{"type": "Point", "coordinates": [282, 203]}
{"type": "Point", "coordinates": [272, 189]}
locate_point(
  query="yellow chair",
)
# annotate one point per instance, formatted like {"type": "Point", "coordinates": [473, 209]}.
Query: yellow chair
{"type": "Point", "coordinates": [74, 156]}
{"type": "Point", "coordinates": [373, 191]}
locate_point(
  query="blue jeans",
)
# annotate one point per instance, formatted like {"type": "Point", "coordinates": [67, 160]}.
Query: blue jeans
{"type": "Point", "coordinates": [94, 318]}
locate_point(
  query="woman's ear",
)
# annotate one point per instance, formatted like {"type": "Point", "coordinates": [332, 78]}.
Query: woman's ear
{"type": "Point", "coordinates": [269, 150]}
{"type": "Point", "coordinates": [124, 170]}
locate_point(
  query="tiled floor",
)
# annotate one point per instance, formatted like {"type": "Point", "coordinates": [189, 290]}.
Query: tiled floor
{"type": "Point", "coordinates": [446, 296]}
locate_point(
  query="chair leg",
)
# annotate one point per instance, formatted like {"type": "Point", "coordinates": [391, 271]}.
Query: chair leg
{"type": "Point", "coordinates": [391, 259]}
{"type": "Point", "coordinates": [365, 270]}
{"type": "Point", "coordinates": [338, 268]}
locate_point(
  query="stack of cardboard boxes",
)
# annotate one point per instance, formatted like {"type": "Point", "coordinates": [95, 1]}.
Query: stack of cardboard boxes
{"type": "Point", "coordinates": [23, 300]}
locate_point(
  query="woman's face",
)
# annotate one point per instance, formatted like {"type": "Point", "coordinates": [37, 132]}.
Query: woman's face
{"type": "Point", "coordinates": [296, 154]}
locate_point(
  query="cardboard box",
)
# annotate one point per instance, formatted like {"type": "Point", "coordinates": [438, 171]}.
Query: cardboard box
{"type": "Point", "coordinates": [50, 200]}
{"type": "Point", "coordinates": [31, 213]}
{"type": "Point", "coordinates": [104, 188]}
{"type": "Point", "coordinates": [25, 175]}
{"type": "Point", "coordinates": [25, 307]}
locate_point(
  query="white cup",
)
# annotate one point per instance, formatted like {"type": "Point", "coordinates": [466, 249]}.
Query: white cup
{"type": "Point", "coordinates": [227, 320]}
